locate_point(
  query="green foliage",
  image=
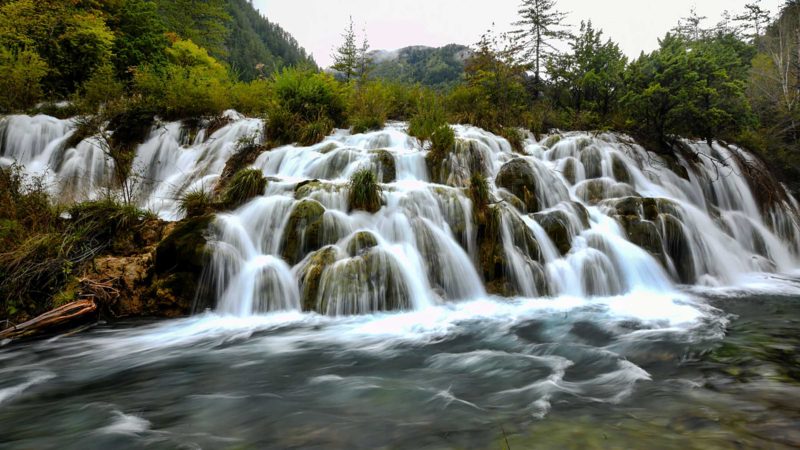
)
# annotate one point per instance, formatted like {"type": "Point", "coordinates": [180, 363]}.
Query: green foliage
{"type": "Point", "coordinates": [479, 191]}
{"type": "Point", "coordinates": [244, 185]}
{"type": "Point", "coordinates": [191, 84]}
{"type": "Point", "coordinates": [21, 73]}
{"type": "Point", "coordinates": [689, 88]}
{"type": "Point", "coordinates": [141, 37]}
{"type": "Point", "coordinates": [345, 58]}
{"type": "Point", "coordinates": [364, 192]}
{"type": "Point", "coordinates": [100, 89]}
{"type": "Point", "coordinates": [443, 139]}
{"type": "Point", "coordinates": [430, 115]}
{"type": "Point", "coordinates": [589, 79]}
{"type": "Point", "coordinates": [370, 104]}
{"type": "Point", "coordinates": [205, 22]}
{"type": "Point", "coordinates": [307, 106]}
{"type": "Point", "coordinates": [494, 94]}
{"type": "Point", "coordinates": [252, 98]}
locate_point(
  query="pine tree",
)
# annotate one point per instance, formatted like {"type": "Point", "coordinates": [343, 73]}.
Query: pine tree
{"type": "Point", "coordinates": [539, 28]}
{"type": "Point", "coordinates": [364, 60]}
{"type": "Point", "coordinates": [755, 18]}
{"type": "Point", "coordinates": [346, 57]}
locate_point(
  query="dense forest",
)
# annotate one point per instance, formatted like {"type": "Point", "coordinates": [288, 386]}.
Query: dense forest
{"type": "Point", "coordinates": [439, 68]}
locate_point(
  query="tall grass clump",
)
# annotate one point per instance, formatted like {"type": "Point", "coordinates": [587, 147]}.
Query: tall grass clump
{"type": "Point", "coordinates": [364, 192]}
{"type": "Point", "coordinates": [246, 184]}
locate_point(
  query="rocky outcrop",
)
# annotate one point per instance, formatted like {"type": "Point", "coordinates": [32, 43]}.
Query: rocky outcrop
{"type": "Point", "coordinates": [518, 177]}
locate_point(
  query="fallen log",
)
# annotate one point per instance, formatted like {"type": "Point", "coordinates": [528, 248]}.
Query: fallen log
{"type": "Point", "coordinates": [63, 318]}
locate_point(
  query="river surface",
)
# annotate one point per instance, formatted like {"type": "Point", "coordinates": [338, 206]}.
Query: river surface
{"type": "Point", "coordinates": [697, 369]}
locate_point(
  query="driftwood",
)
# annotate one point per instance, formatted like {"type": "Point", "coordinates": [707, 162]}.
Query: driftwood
{"type": "Point", "coordinates": [66, 317]}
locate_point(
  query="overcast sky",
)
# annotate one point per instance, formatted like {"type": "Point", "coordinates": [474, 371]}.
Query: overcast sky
{"type": "Point", "coordinates": [390, 24]}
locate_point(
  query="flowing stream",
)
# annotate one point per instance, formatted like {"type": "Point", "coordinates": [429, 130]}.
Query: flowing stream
{"type": "Point", "coordinates": [593, 283]}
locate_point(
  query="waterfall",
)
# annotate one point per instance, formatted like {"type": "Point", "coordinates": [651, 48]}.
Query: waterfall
{"type": "Point", "coordinates": [578, 214]}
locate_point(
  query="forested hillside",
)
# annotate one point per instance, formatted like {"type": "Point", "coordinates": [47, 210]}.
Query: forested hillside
{"type": "Point", "coordinates": [441, 67]}
{"type": "Point", "coordinates": [64, 43]}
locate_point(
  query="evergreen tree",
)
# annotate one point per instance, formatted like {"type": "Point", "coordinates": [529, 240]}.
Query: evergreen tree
{"type": "Point", "coordinates": [755, 19]}
{"type": "Point", "coordinates": [345, 59]}
{"type": "Point", "coordinates": [364, 60]}
{"type": "Point", "coordinates": [540, 26]}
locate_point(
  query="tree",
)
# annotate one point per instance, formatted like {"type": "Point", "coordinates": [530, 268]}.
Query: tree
{"type": "Point", "coordinates": [345, 59]}
{"type": "Point", "coordinates": [689, 27]}
{"type": "Point", "coordinates": [141, 37]}
{"type": "Point", "coordinates": [364, 60]}
{"type": "Point", "coordinates": [21, 73]}
{"type": "Point", "coordinates": [590, 77]}
{"type": "Point", "coordinates": [540, 26]}
{"type": "Point", "coordinates": [755, 19]}
{"type": "Point", "coordinates": [204, 22]}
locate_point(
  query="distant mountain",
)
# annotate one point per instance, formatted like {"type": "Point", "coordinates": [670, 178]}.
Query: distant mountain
{"type": "Point", "coordinates": [254, 40]}
{"type": "Point", "coordinates": [436, 67]}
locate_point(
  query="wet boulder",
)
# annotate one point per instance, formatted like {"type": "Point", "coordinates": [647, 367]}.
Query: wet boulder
{"type": "Point", "coordinates": [570, 170]}
{"type": "Point", "coordinates": [595, 191]}
{"type": "Point", "coordinates": [386, 167]}
{"type": "Point", "coordinates": [310, 275]}
{"type": "Point", "coordinates": [592, 159]}
{"type": "Point", "coordinates": [304, 231]}
{"type": "Point", "coordinates": [518, 177]}
{"type": "Point", "coordinates": [360, 242]}
{"type": "Point", "coordinates": [678, 247]}
{"type": "Point", "coordinates": [557, 226]}
{"type": "Point", "coordinates": [368, 283]}
{"type": "Point", "coordinates": [619, 169]}
{"type": "Point", "coordinates": [644, 234]}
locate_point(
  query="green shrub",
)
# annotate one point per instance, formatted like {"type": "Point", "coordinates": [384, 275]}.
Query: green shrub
{"type": "Point", "coordinates": [429, 116]}
{"type": "Point", "coordinates": [253, 98]}
{"type": "Point", "coordinates": [369, 107]}
{"type": "Point", "coordinates": [479, 191]}
{"type": "Point", "coordinates": [307, 106]}
{"type": "Point", "coordinates": [443, 139]}
{"type": "Point", "coordinates": [364, 192]}
{"type": "Point", "coordinates": [514, 137]}
{"type": "Point", "coordinates": [246, 184]}
{"type": "Point", "coordinates": [100, 89]}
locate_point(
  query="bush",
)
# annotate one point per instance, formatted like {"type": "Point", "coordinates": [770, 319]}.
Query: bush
{"type": "Point", "coordinates": [101, 88]}
{"type": "Point", "coordinates": [307, 106]}
{"type": "Point", "coordinates": [364, 192]}
{"type": "Point", "coordinates": [443, 139]}
{"type": "Point", "coordinates": [246, 184]}
{"type": "Point", "coordinates": [430, 115]}
{"type": "Point", "coordinates": [369, 107]}
{"type": "Point", "coordinates": [253, 98]}
{"type": "Point", "coordinates": [21, 73]}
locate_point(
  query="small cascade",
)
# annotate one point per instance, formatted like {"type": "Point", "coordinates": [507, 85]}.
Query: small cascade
{"type": "Point", "coordinates": [577, 214]}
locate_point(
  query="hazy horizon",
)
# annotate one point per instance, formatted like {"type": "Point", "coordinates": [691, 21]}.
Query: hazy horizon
{"type": "Point", "coordinates": [391, 25]}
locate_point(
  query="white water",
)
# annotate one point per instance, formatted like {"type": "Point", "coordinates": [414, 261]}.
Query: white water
{"type": "Point", "coordinates": [708, 230]}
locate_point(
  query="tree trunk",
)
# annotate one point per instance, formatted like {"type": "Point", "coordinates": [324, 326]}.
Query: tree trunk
{"type": "Point", "coordinates": [69, 316]}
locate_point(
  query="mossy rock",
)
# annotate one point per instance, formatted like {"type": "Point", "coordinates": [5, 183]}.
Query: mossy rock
{"type": "Point", "coordinates": [387, 169]}
{"type": "Point", "coordinates": [595, 191]}
{"type": "Point", "coordinates": [592, 160]}
{"type": "Point", "coordinates": [557, 226]}
{"type": "Point", "coordinates": [644, 234]}
{"type": "Point", "coordinates": [620, 170]}
{"type": "Point", "coordinates": [550, 141]}
{"type": "Point", "coordinates": [310, 275]}
{"type": "Point", "coordinates": [373, 276]}
{"type": "Point", "coordinates": [518, 177]}
{"type": "Point", "coordinates": [361, 242]}
{"type": "Point", "coordinates": [303, 232]}
{"type": "Point", "coordinates": [178, 264]}
{"type": "Point", "coordinates": [512, 200]}
{"type": "Point", "coordinates": [570, 170]}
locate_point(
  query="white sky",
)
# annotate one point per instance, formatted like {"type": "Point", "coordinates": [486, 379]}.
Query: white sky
{"type": "Point", "coordinates": [390, 24]}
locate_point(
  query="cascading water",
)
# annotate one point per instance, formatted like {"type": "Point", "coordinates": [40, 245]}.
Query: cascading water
{"type": "Point", "coordinates": [579, 214]}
